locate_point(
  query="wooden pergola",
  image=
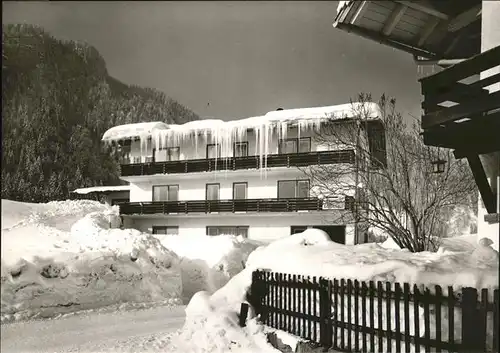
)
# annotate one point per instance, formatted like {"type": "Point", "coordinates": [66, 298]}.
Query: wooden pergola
{"type": "Point", "coordinates": [458, 113]}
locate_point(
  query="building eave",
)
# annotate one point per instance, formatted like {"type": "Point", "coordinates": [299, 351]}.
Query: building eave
{"type": "Point", "coordinates": [428, 29]}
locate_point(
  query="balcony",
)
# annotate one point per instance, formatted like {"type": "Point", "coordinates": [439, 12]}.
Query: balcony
{"type": "Point", "coordinates": [465, 117]}
{"type": "Point", "coordinates": [231, 206]}
{"type": "Point", "coordinates": [238, 163]}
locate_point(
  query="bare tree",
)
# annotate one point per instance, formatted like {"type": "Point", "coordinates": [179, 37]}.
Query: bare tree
{"type": "Point", "coordinates": [392, 180]}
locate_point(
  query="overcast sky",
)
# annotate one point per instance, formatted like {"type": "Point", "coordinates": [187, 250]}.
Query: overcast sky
{"type": "Point", "coordinates": [231, 60]}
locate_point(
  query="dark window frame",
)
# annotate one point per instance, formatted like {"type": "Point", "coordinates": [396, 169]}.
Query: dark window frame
{"type": "Point", "coordinates": [168, 192]}
{"type": "Point", "coordinates": [217, 150]}
{"type": "Point", "coordinates": [246, 189]}
{"type": "Point", "coordinates": [297, 144]}
{"type": "Point", "coordinates": [244, 143]}
{"type": "Point", "coordinates": [206, 191]}
{"type": "Point", "coordinates": [165, 228]}
{"type": "Point", "coordinates": [296, 187]}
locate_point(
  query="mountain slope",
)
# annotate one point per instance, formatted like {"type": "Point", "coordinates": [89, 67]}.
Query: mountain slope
{"type": "Point", "coordinates": [57, 101]}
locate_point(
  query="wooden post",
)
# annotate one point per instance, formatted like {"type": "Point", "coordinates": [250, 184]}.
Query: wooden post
{"type": "Point", "coordinates": [243, 314]}
{"type": "Point", "coordinates": [473, 333]}
{"type": "Point", "coordinates": [325, 304]}
{"type": "Point", "coordinates": [256, 292]}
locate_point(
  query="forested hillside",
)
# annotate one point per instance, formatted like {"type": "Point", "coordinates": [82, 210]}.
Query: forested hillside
{"type": "Point", "coordinates": [57, 101]}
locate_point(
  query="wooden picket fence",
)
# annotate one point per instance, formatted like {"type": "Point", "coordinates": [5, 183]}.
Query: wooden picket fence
{"type": "Point", "coordinates": [354, 316]}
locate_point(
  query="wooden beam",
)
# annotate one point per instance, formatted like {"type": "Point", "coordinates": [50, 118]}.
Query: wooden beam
{"type": "Point", "coordinates": [393, 19]}
{"type": "Point", "coordinates": [482, 183]}
{"type": "Point", "coordinates": [424, 9]}
{"type": "Point", "coordinates": [458, 92]}
{"type": "Point", "coordinates": [361, 11]}
{"type": "Point", "coordinates": [378, 37]}
{"type": "Point", "coordinates": [484, 147]}
{"type": "Point", "coordinates": [453, 43]}
{"type": "Point", "coordinates": [479, 134]}
{"type": "Point", "coordinates": [427, 31]}
{"type": "Point", "coordinates": [463, 110]}
{"type": "Point", "coordinates": [474, 65]}
{"type": "Point", "coordinates": [465, 18]}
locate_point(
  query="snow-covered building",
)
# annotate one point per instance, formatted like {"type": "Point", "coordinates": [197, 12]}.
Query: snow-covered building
{"type": "Point", "coordinates": [239, 177]}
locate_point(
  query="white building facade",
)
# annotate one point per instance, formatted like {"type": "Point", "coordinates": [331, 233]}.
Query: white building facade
{"type": "Point", "coordinates": [244, 177]}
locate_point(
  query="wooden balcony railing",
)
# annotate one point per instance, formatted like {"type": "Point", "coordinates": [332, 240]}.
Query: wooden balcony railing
{"type": "Point", "coordinates": [228, 206]}
{"type": "Point", "coordinates": [455, 113]}
{"type": "Point", "coordinates": [470, 125]}
{"type": "Point", "coordinates": [238, 163]}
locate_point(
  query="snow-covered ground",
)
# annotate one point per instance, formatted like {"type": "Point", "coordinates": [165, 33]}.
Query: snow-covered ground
{"type": "Point", "coordinates": [145, 330]}
{"type": "Point", "coordinates": [65, 256]}
{"type": "Point", "coordinates": [213, 318]}
{"type": "Point", "coordinates": [207, 263]}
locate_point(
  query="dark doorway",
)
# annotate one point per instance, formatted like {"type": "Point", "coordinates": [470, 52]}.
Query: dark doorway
{"type": "Point", "coordinates": [336, 233]}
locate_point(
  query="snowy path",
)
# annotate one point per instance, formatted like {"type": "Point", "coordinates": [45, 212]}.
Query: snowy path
{"type": "Point", "coordinates": [132, 331]}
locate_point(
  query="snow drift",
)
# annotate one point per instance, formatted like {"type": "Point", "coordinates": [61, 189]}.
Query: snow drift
{"type": "Point", "coordinates": [208, 263]}
{"type": "Point", "coordinates": [54, 261]}
{"type": "Point", "coordinates": [311, 253]}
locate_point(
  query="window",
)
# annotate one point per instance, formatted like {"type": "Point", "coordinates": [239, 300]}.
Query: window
{"type": "Point", "coordinates": [212, 191]}
{"type": "Point", "coordinates": [288, 146]}
{"type": "Point", "coordinates": [149, 159]}
{"type": "Point", "coordinates": [228, 230]}
{"type": "Point", "coordinates": [294, 145]}
{"type": "Point", "coordinates": [124, 150]}
{"type": "Point", "coordinates": [305, 145]}
{"type": "Point", "coordinates": [171, 153]}
{"type": "Point", "coordinates": [302, 190]}
{"type": "Point", "coordinates": [240, 191]}
{"type": "Point", "coordinates": [169, 230]}
{"type": "Point", "coordinates": [166, 193]}
{"type": "Point", "coordinates": [213, 151]}
{"type": "Point", "coordinates": [240, 149]}
{"type": "Point", "coordinates": [289, 189]}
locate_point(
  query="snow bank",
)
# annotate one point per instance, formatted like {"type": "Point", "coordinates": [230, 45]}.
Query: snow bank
{"type": "Point", "coordinates": [210, 329]}
{"type": "Point", "coordinates": [54, 261]}
{"type": "Point", "coordinates": [312, 254]}
{"type": "Point", "coordinates": [207, 263]}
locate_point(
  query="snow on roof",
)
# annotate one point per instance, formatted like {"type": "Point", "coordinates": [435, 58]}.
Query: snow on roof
{"type": "Point", "coordinates": [302, 116]}
{"type": "Point", "coordinates": [85, 191]}
{"type": "Point", "coordinates": [127, 131]}
{"type": "Point", "coordinates": [370, 110]}
{"type": "Point", "coordinates": [341, 5]}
